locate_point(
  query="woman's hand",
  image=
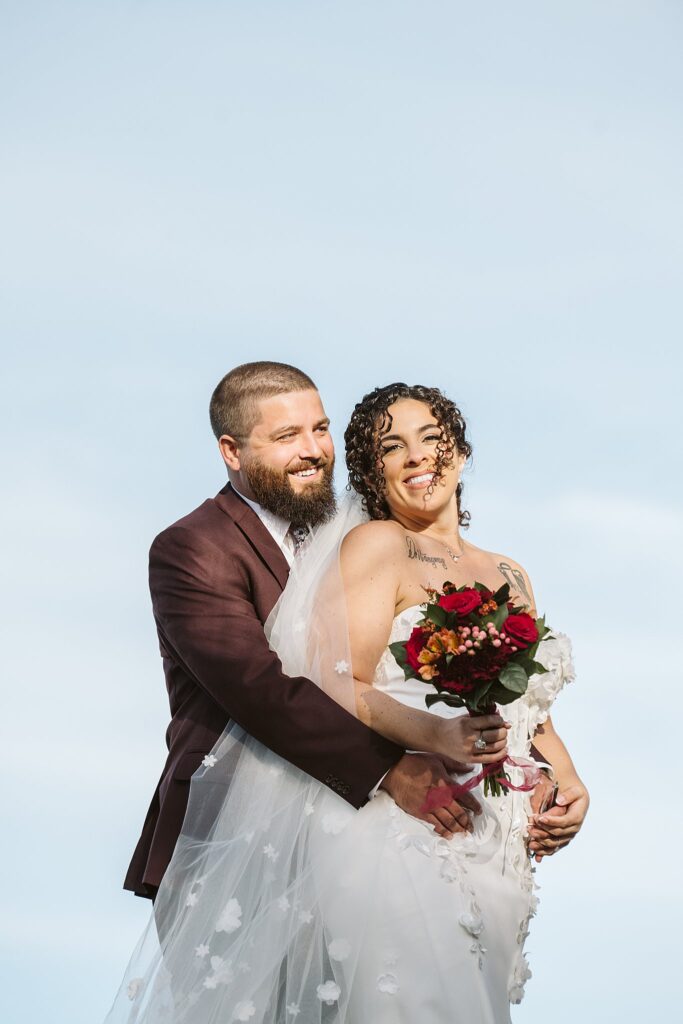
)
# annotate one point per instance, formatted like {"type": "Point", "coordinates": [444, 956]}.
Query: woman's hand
{"type": "Point", "coordinates": [456, 738]}
{"type": "Point", "coordinates": [550, 831]}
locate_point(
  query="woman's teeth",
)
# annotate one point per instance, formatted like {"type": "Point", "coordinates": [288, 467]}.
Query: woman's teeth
{"type": "Point", "coordinates": [419, 481]}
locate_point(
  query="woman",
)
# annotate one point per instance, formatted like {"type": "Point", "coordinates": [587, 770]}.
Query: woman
{"type": "Point", "coordinates": [281, 902]}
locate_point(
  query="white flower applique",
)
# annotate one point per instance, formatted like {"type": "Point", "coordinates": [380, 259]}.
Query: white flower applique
{"type": "Point", "coordinates": [244, 1011]}
{"type": "Point", "coordinates": [339, 950]}
{"type": "Point", "coordinates": [134, 987]}
{"type": "Point", "coordinates": [521, 976]}
{"type": "Point", "coordinates": [308, 808]}
{"type": "Point", "coordinates": [328, 993]}
{"type": "Point", "coordinates": [305, 916]}
{"type": "Point", "coordinates": [387, 984]}
{"type": "Point", "coordinates": [201, 950]}
{"type": "Point", "coordinates": [283, 903]}
{"type": "Point", "coordinates": [191, 900]}
{"type": "Point", "coordinates": [293, 1009]}
{"type": "Point", "coordinates": [270, 852]}
{"type": "Point", "coordinates": [209, 761]}
{"type": "Point", "coordinates": [222, 973]}
{"type": "Point", "coordinates": [341, 667]}
{"type": "Point", "coordinates": [231, 918]}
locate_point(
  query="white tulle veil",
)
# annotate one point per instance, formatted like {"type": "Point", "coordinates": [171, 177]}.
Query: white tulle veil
{"type": "Point", "coordinates": [241, 928]}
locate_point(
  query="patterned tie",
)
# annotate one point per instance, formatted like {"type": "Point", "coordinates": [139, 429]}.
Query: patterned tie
{"type": "Point", "coordinates": [298, 535]}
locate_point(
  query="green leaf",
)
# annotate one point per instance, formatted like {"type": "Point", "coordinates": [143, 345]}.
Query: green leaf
{"type": "Point", "coordinates": [502, 595]}
{"type": "Point", "coordinates": [436, 614]}
{"type": "Point", "coordinates": [537, 669]}
{"type": "Point", "coordinates": [514, 678]}
{"type": "Point", "coordinates": [399, 652]}
{"type": "Point", "coordinates": [451, 699]}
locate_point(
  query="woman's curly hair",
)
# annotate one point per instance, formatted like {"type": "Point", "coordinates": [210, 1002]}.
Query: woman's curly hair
{"type": "Point", "coordinates": [370, 419]}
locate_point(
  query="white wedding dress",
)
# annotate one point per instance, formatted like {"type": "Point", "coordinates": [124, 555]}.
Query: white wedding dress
{"type": "Point", "coordinates": [443, 941]}
{"type": "Point", "coordinates": [284, 904]}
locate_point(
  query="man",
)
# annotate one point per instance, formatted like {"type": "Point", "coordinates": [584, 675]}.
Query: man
{"type": "Point", "coordinates": [215, 575]}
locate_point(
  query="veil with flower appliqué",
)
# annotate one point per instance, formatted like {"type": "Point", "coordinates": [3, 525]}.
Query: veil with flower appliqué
{"type": "Point", "coordinates": [248, 924]}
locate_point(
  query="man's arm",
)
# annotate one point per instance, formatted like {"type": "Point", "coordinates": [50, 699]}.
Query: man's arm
{"type": "Point", "coordinates": [201, 601]}
{"type": "Point", "coordinates": [556, 827]}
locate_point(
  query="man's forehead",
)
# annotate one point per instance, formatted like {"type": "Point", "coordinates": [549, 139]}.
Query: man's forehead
{"type": "Point", "coordinates": [293, 408]}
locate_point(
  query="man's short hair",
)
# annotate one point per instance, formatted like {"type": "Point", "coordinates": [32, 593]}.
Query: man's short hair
{"type": "Point", "coordinates": [233, 409]}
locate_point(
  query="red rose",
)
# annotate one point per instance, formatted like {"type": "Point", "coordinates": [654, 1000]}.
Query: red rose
{"type": "Point", "coordinates": [521, 629]}
{"type": "Point", "coordinates": [464, 602]}
{"type": "Point", "coordinates": [413, 647]}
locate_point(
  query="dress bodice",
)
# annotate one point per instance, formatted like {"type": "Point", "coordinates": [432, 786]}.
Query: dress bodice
{"type": "Point", "coordinates": [389, 676]}
{"type": "Point", "coordinates": [525, 714]}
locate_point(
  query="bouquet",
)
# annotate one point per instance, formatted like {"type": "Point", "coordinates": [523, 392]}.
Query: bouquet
{"type": "Point", "coordinates": [477, 649]}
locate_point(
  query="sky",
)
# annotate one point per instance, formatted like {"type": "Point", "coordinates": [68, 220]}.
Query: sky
{"type": "Point", "coordinates": [483, 197]}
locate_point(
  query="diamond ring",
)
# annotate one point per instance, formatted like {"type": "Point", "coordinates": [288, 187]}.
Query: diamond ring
{"type": "Point", "coordinates": [480, 742]}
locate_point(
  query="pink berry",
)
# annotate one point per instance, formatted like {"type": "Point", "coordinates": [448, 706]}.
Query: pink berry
{"type": "Point", "coordinates": [497, 643]}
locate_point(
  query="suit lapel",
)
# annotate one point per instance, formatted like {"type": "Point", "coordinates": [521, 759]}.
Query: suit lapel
{"type": "Point", "coordinates": [256, 533]}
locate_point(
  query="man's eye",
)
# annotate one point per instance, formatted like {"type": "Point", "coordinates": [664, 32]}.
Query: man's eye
{"type": "Point", "coordinates": [286, 437]}
{"type": "Point", "coordinates": [323, 430]}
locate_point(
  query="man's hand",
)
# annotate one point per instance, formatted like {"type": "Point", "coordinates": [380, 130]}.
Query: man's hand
{"type": "Point", "coordinates": [556, 827]}
{"type": "Point", "coordinates": [410, 780]}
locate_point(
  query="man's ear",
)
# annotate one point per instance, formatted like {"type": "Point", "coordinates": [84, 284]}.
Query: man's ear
{"type": "Point", "coordinates": [229, 448]}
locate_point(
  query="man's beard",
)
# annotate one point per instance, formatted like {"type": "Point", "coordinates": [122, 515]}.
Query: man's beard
{"type": "Point", "coordinates": [273, 490]}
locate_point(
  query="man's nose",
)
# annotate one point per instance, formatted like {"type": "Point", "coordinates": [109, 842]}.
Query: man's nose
{"type": "Point", "coordinates": [309, 447]}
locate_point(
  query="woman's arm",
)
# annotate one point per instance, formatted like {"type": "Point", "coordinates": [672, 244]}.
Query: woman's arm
{"type": "Point", "coordinates": [559, 824]}
{"type": "Point", "coordinates": [372, 558]}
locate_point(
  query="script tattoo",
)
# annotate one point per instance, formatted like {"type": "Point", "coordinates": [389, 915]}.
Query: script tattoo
{"type": "Point", "coordinates": [515, 578]}
{"type": "Point", "coordinates": [414, 552]}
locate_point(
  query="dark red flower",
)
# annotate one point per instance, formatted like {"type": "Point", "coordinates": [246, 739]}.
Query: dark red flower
{"type": "Point", "coordinates": [521, 629]}
{"type": "Point", "coordinates": [414, 645]}
{"type": "Point", "coordinates": [463, 602]}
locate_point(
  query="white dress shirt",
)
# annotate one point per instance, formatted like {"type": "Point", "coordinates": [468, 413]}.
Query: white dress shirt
{"type": "Point", "coordinates": [276, 526]}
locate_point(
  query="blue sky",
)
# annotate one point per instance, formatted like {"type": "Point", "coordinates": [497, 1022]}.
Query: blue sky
{"type": "Point", "coordinates": [482, 197]}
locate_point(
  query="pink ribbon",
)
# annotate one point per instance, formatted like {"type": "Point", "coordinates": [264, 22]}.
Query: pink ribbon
{"type": "Point", "coordinates": [441, 796]}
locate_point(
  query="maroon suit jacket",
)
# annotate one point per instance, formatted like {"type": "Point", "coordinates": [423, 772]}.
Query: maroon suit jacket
{"type": "Point", "coordinates": [214, 577]}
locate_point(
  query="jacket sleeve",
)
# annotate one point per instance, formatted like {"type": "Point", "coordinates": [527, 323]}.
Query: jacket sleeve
{"type": "Point", "coordinates": [201, 600]}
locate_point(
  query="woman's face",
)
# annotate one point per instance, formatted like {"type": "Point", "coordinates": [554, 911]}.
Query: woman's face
{"type": "Point", "coordinates": [408, 450]}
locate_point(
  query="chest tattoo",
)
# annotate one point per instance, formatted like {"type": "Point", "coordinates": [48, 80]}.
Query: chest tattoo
{"type": "Point", "coordinates": [414, 552]}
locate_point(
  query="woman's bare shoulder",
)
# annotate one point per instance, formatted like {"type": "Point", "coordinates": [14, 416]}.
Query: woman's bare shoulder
{"type": "Point", "coordinates": [378, 538]}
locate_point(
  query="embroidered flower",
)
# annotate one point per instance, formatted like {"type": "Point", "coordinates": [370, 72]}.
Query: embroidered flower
{"type": "Point", "coordinates": [201, 951]}
{"type": "Point", "coordinates": [134, 986]}
{"type": "Point", "coordinates": [339, 949]}
{"type": "Point", "coordinates": [308, 808]}
{"type": "Point", "coordinates": [328, 993]}
{"type": "Point", "coordinates": [341, 667]}
{"type": "Point", "coordinates": [231, 918]}
{"type": "Point", "coordinates": [248, 836]}
{"type": "Point", "coordinates": [521, 976]}
{"type": "Point", "coordinates": [244, 1011]}
{"type": "Point", "coordinates": [293, 1008]}
{"type": "Point", "coordinates": [334, 822]}
{"type": "Point", "coordinates": [283, 903]}
{"type": "Point", "coordinates": [305, 916]}
{"type": "Point", "coordinates": [270, 852]}
{"type": "Point", "coordinates": [388, 984]}
{"type": "Point", "coordinates": [275, 770]}
{"type": "Point", "coordinates": [390, 958]}
{"type": "Point", "coordinates": [209, 761]}
{"type": "Point", "coordinates": [211, 981]}
{"type": "Point", "coordinates": [191, 900]}
{"type": "Point", "coordinates": [471, 923]}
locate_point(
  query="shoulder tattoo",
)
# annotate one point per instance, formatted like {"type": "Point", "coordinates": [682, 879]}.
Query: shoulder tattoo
{"type": "Point", "coordinates": [515, 578]}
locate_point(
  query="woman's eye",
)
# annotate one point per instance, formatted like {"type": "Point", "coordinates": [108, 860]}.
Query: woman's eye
{"type": "Point", "coordinates": [389, 448]}
{"type": "Point", "coordinates": [433, 437]}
